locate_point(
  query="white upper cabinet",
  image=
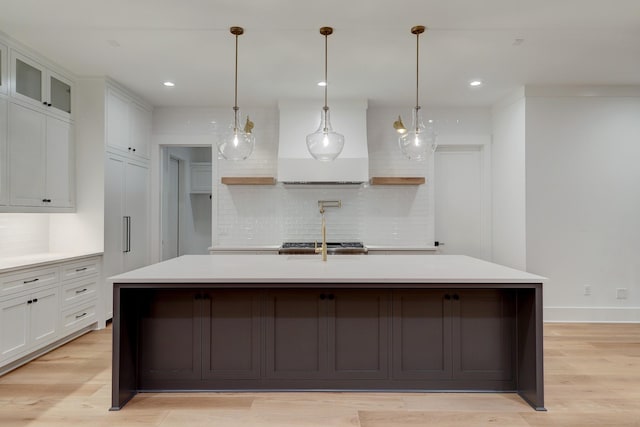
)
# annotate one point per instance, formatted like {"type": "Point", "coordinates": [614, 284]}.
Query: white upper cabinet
{"type": "Point", "coordinates": [128, 125]}
{"type": "Point", "coordinates": [40, 159]}
{"type": "Point", "coordinates": [3, 151]}
{"type": "Point", "coordinates": [39, 86]}
{"type": "Point", "coordinates": [4, 70]}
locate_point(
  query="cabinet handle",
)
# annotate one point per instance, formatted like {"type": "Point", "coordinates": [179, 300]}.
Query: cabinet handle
{"type": "Point", "coordinates": [456, 297]}
{"type": "Point", "coordinates": [331, 297]}
{"type": "Point", "coordinates": [48, 104]}
{"type": "Point", "coordinates": [129, 148]}
{"type": "Point", "coordinates": [81, 291]}
{"type": "Point", "coordinates": [30, 281]}
{"type": "Point", "coordinates": [44, 102]}
{"type": "Point", "coordinates": [447, 297]}
{"type": "Point", "coordinates": [80, 316]}
{"type": "Point", "coordinates": [127, 233]}
{"type": "Point", "coordinates": [35, 300]}
{"type": "Point", "coordinates": [134, 149]}
{"type": "Point", "coordinates": [29, 302]}
{"type": "Point", "coordinates": [323, 297]}
{"type": "Point", "coordinates": [81, 269]}
{"type": "Point", "coordinates": [198, 297]}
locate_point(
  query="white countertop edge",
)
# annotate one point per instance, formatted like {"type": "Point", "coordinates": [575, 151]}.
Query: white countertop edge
{"type": "Point", "coordinates": [309, 269]}
{"type": "Point", "coordinates": [9, 264]}
{"type": "Point", "coordinates": [276, 247]}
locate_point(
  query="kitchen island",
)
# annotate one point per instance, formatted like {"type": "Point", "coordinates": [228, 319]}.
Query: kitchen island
{"type": "Point", "coordinates": [395, 323]}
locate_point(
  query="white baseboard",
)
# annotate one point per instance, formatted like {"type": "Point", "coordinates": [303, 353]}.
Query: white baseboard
{"type": "Point", "coordinates": [592, 314]}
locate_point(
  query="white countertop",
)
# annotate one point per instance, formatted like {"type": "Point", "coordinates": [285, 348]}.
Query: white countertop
{"type": "Point", "coordinates": [311, 269]}
{"type": "Point", "coordinates": [8, 264]}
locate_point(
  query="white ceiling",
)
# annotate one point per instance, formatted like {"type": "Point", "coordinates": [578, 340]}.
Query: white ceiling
{"type": "Point", "coordinates": [371, 53]}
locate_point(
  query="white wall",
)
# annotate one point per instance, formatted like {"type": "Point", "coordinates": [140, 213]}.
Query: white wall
{"type": "Point", "coordinates": [583, 202]}
{"type": "Point", "coordinates": [23, 234]}
{"type": "Point", "coordinates": [508, 181]}
{"type": "Point", "coordinates": [268, 215]}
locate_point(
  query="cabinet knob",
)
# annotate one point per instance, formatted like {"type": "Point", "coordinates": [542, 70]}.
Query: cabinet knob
{"type": "Point", "coordinates": [35, 300]}
{"type": "Point", "coordinates": [456, 297]}
{"type": "Point", "coordinates": [49, 104]}
{"type": "Point", "coordinates": [129, 148]}
{"type": "Point", "coordinates": [134, 149]}
{"type": "Point", "coordinates": [44, 102]}
{"type": "Point", "coordinates": [29, 302]}
{"type": "Point", "coordinates": [447, 297]}
{"type": "Point", "coordinates": [323, 296]}
{"type": "Point", "coordinates": [331, 296]}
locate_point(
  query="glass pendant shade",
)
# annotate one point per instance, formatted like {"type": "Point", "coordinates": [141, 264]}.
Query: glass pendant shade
{"type": "Point", "coordinates": [236, 143]}
{"type": "Point", "coordinates": [419, 142]}
{"type": "Point", "coordinates": [325, 144]}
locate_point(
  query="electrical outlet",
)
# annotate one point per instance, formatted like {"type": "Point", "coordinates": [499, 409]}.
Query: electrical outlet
{"type": "Point", "coordinates": [621, 293]}
{"type": "Point", "coordinates": [587, 290]}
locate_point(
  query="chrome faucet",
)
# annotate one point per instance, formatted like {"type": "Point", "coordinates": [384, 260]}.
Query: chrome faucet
{"type": "Point", "coordinates": [321, 205]}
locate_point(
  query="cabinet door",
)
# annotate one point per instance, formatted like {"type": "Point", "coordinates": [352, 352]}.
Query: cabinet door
{"type": "Point", "coordinates": [45, 312]}
{"type": "Point", "coordinates": [59, 163]}
{"type": "Point", "coordinates": [137, 209]}
{"type": "Point", "coordinates": [422, 335]}
{"type": "Point", "coordinates": [296, 335]}
{"type": "Point", "coordinates": [113, 261]}
{"type": "Point", "coordinates": [60, 94]}
{"type": "Point", "coordinates": [169, 336]}
{"type": "Point", "coordinates": [28, 79]}
{"type": "Point", "coordinates": [4, 74]}
{"type": "Point", "coordinates": [14, 326]}
{"type": "Point", "coordinates": [231, 334]}
{"type": "Point", "coordinates": [483, 334]}
{"type": "Point", "coordinates": [140, 137]}
{"type": "Point", "coordinates": [201, 178]}
{"type": "Point", "coordinates": [27, 156]}
{"type": "Point", "coordinates": [4, 164]}
{"type": "Point", "coordinates": [117, 127]}
{"type": "Point", "coordinates": [358, 334]}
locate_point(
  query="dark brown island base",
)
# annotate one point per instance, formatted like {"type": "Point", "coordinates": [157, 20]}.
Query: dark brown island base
{"type": "Point", "coordinates": [263, 323]}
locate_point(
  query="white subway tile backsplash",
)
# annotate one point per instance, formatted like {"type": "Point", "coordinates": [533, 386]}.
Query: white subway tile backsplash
{"type": "Point", "coordinates": [23, 234]}
{"type": "Point", "coordinates": [376, 215]}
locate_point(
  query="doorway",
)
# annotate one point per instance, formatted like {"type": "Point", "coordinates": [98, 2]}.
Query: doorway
{"type": "Point", "coordinates": [186, 204]}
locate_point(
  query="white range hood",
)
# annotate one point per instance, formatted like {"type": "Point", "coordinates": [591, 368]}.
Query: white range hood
{"type": "Point", "coordinates": [300, 118]}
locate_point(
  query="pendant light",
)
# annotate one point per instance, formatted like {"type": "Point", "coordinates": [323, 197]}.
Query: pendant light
{"type": "Point", "coordinates": [237, 143]}
{"type": "Point", "coordinates": [419, 141]}
{"type": "Point", "coordinates": [325, 144]}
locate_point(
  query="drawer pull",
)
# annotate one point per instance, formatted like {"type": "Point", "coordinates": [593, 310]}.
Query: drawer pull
{"type": "Point", "coordinates": [80, 316]}
{"type": "Point", "coordinates": [31, 281]}
{"type": "Point", "coordinates": [81, 269]}
{"type": "Point", "coordinates": [81, 291]}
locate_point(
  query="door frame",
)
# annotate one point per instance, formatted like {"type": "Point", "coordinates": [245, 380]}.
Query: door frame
{"type": "Point", "coordinates": [166, 159]}
{"type": "Point", "coordinates": [482, 143]}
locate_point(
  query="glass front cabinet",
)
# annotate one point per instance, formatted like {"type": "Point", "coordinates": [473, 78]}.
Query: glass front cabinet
{"type": "Point", "coordinates": [38, 85]}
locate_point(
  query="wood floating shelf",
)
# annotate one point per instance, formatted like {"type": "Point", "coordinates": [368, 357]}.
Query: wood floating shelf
{"type": "Point", "coordinates": [248, 180]}
{"type": "Point", "coordinates": [400, 180]}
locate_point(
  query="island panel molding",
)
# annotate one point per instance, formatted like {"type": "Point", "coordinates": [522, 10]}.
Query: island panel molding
{"type": "Point", "coordinates": [396, 334]}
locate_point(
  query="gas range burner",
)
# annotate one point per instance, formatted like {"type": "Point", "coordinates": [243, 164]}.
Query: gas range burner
{"type": "Point", "coordinates": [303, 248]}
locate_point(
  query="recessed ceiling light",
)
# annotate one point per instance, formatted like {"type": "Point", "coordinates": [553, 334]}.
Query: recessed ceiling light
{"type": "Point", "coordinates": [322, 84]}
{"type": "Point", "coordinates": [475, 83]}
{"type": "Point", "coordinates": [169, 84]}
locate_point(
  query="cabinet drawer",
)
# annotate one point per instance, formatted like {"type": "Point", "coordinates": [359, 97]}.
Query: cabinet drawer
{"type": "Point", "coordinates": [27, 280]}
{"type": "Point", "coordinates": [80, 290]}
{"type": "Point", "coordinates": [86, 267]}
{"type": "Point", "coordinates": [78, 317]}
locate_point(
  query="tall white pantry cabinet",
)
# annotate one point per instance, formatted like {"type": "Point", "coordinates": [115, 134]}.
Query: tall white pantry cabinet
{"type": "Point", "coordinates": [117, 124]}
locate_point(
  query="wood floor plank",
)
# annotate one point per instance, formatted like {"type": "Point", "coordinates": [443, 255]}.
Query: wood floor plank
{"type": "Point", "coordinates": [592, 378]}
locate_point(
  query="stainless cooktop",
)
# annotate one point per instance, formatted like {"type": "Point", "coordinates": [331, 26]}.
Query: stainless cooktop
{"type": "Point", "coordinates": [337, 248]}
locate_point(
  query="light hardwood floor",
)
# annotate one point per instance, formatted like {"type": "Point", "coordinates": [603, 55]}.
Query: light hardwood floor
{"type": "Point", "coordinates": [592, 374]}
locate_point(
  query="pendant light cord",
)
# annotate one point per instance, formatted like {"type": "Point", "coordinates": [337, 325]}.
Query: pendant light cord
{"type": "Point", "coordinates": [326, 82]}
{"type": "Point", "coordinates": [417, 68]}
{"type": "Point", "coordinates": [235, 105]}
